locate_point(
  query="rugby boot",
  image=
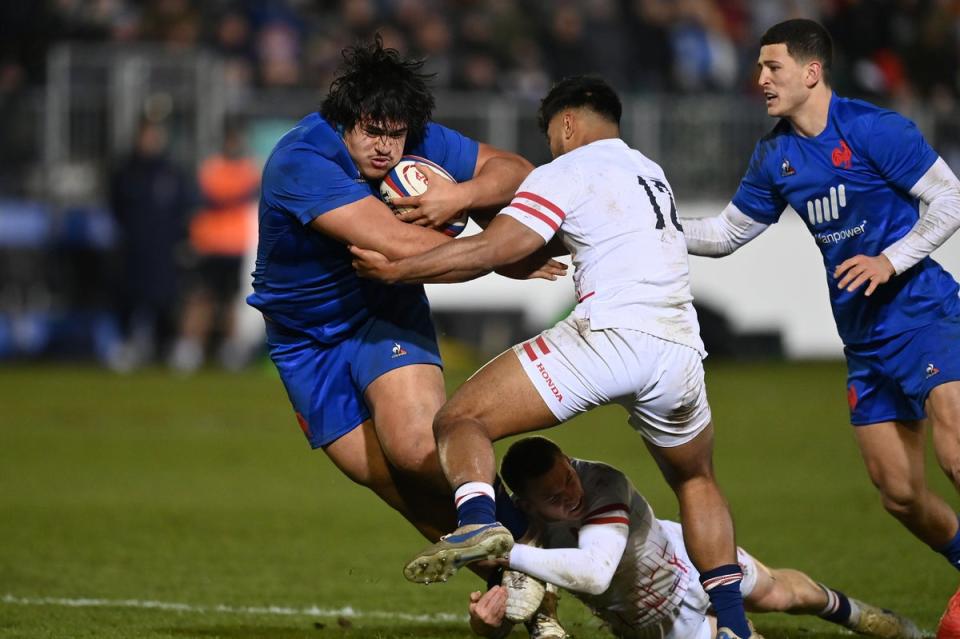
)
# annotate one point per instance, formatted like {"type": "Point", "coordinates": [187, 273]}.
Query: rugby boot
{"type": "Point", "coordinates": [466, 544]}
{"type": "Point", "coordinates": [879, 622]}
{"type": "Point", "coordinates": [545, 624]}
{"type": "Point", "coordinates": [949, 627]}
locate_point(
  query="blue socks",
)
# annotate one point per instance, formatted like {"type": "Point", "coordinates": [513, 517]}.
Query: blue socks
{"type": "Point", "coordinates": [723, 587]}
{"type": "Point", "coordinates": [480, 503]}
{"type": "Point", "coordinates": [952, 551]}
{"type": "Point", "coordinates": [475, 504]}
{"type": "Point", "coordinates": [838, 608]}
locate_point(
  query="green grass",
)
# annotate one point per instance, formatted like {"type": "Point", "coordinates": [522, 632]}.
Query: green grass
{"type": "Point", "coordinates": [202, 491]}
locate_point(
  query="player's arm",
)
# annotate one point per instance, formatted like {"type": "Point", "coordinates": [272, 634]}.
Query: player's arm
{"type": "Point", "coordinates": [496, 176]}
{"type": "Point", "coordinates": [368, 223]}
{"type": "Point", "coordinates": [505, 241]}
{"type": "Point", "coordinates": [720, 235]}
{"type": "Point", "coordinates": [900, 153]}
{"type": "Point", "coordinates": [488, 613]}
{"type": "Point", "coordinates": [939, 189]}
{"type": "Point", "coordinates": [587, 568]}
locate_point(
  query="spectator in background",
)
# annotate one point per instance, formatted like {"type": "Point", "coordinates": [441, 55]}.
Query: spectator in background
{"type": "Point", "coordinates": [151, 199]}
{"type": "Point", "coordinates": [221, 233]}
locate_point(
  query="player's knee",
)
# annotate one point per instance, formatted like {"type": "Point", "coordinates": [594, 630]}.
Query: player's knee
{"type": "Point", "coordinates": [447, 420]}
{"type": "Point", "coordinates": [900, 498]}
{"type": "Point", "coordinates": [416, 458]}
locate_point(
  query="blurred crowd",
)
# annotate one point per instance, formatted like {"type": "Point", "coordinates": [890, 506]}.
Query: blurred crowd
{"type": "Point", "coordinates": [897, 48]}
{"type": "Point", "coordinates": [149, 264]}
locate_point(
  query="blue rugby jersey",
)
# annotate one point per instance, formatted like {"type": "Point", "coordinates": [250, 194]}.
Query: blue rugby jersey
{"type": "Point", "coordinates": [850, 185]}
{"type": "Point", "coordinates": [303, 279]}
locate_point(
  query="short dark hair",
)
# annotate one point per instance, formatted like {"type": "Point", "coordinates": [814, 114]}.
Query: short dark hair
{"type": "Point", "coordinates": [580, 91]}
{"type": "Point", "coordinates": [376, 83]}
{"type": "Point", "coordinates": [805, 39]}
{"type": "Point", "coordinates": [527, 459]}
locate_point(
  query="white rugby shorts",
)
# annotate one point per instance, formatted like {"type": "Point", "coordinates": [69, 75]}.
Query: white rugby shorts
{"type": "Point", "coordinates": [660, 383]}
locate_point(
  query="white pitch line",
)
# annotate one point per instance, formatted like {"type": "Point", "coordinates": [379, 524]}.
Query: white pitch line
{"type": "Point", "coordinates": [311, 611]}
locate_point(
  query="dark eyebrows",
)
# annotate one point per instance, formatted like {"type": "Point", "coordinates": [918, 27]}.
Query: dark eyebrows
{"type": "Point", "coordinates": [379, 131]}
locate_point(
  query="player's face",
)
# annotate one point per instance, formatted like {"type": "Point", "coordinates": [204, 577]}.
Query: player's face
{"type": "Point", "coordinates": [556, 495]}
{"type": "Point", "coordinates": [376, 147]}
{"type": "Point", "coordinates": [781, 80]}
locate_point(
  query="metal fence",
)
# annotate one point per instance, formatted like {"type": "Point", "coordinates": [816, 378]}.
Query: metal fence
{"type": "Point", "coordinates": [96, 93]}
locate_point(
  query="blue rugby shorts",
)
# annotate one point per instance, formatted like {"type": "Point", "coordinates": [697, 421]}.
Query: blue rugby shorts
{"type": "Point", "coordinates": [325, 383]}
{"type": "Point", "coordinates": [889, 380]}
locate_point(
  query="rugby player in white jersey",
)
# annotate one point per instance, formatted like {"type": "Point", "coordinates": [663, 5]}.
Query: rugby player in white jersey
{"type": "Point", "coordinates": [633, 338]}
{"type": "Point", "coordinates": [600, 540]}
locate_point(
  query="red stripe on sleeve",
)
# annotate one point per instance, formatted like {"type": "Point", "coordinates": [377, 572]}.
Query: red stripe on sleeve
{"type": "Point", "coordinates": [607, 520]}
{"type": "Point", "coordinates": [549, 221]}
{"type": "Point", "coordinates": [542, 201]}
{"type": "Point", "coordinates": [606, 509]}
{"type": "Point", "coordinates": [529, 351]}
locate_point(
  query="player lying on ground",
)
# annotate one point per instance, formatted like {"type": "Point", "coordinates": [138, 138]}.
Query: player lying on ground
{"type": "Point", "coordinates": [856, 174]}
{"type": "Point", "coordinates": [633, 338]}
{"type": "Point", "coordinates": [601, 541]}
{"type": "Point", "coordinates": [359, 359]}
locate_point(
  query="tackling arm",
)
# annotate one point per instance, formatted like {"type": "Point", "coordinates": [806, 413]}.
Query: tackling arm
{"type": "Point", "coordinates": [720, 235]}
{"type": "Point", "coordinates": [505, 241]}
{"type": "Point", "coordinates": [939, 189]}
{"type": "Point", "coordinates": [588, 568]}
{"type": "Point", "coordinates": [368, 223]}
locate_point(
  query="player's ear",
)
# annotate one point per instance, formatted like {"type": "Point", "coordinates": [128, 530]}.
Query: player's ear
{"type": "Point", "coordinates": [813, 73]}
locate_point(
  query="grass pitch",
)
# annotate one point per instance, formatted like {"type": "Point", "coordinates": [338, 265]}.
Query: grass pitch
{"type": "Point", "coordinates": [155, 506]}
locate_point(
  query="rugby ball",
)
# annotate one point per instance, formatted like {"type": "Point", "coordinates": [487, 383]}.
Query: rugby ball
{"type": "Point", "coordinates": [406, 179]}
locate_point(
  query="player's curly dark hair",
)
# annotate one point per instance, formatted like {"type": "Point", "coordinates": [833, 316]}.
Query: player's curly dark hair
{"type": "Point", "coordinates": [805, 39]}
{"type": "Point", "coordinates": [527, 459]}
{"type": "Point", "coordinates": [580, 91]}
{"type": "Point", "coordinates": [377, 84]}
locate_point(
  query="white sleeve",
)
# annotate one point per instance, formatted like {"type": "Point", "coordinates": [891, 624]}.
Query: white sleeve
{"type": "Point", "coordinates": [545, 198]}
{"type": "Point", "coordinates": [939, 189]}
{"type": "Point", "coordinates": [588, 568]}
{"type": "Point", "coordinates": [722, 234]}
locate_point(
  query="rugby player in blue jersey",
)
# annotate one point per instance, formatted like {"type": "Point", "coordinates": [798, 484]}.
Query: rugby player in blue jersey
{"type": "Point", "coordinates": [856, 173]}
{"type": "Point", "coordinates": [358, 358]}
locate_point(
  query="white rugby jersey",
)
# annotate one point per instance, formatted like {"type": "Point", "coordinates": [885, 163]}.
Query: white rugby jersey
{"type": "Point", "coordinates": [654, 578]}
{"type": "Point", "coordinates": [615, 212]}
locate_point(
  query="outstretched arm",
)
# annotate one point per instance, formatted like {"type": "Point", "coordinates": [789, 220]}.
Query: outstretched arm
{"type": "Point", "coordinates": [939, 189]}
{"type": "Point", "coordinates": [720, 235]}
{"type": "Point", "coordinates": [588, 568]}
{"type": "Point", "coordinates": [505, 241]}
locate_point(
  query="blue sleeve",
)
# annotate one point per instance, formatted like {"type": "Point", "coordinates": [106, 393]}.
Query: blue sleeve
{"type": "Point", "coordinates": [306, 184]}
{"type": "Point", "coordinates": [898, 150]}
{"type": "Point", "coordinates": [453, 151]}
{"type": "Point", "coordinates": [757, 196]}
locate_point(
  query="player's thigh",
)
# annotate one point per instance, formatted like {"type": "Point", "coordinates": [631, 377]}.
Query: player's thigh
{"type": "Point", "coordinates": [893, 453]}
{"type": "Point", "coordinates": [403, 403]}
{"type": "Point", "coordinates": [397, 364]}
{"type": "Point", "coordinates": [325, 400]}
{"type": "Point", "coordinates": [693, 459]}
{"type": "Point", "coordinates": [359, 456]}
{"type": "Point", "coordinates": [501, 398]}
{"type": "Point", "coordinates": [943, 410]}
